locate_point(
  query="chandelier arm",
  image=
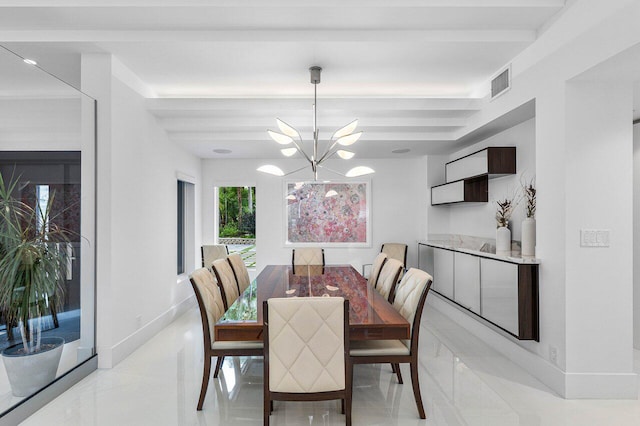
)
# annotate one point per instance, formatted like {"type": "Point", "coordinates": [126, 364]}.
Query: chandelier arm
{"type": "Point", "coordinates": [333, 171]}
{"type": "Point", "coordinates": [300, 150]}
{"type": "Point", "coordinates": [296, 170]}
{"type": "Point", "coordinates": [326, 153]}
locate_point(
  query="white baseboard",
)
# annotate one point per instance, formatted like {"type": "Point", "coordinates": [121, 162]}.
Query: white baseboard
{"type": "Point", "coordinates": [567, 385]}
{"type": "Point", "coordinates": [601, 386]}
{"type": "Point", "coordinates": [110, 356]}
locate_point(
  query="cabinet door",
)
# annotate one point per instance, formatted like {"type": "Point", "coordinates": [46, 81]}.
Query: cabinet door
{"type": "Point", "coordinates": [467, 281]}
{"type": "Point", "coordinates": [425, 260]}
{"type": "Point", "coordinates": [499, 293]}
{"type": "Point", "coordinates": [469, 166]}
{"type": "Point", "coordinates": [443, 272]}
{"type": "Point", "coordinates": [448, 193]}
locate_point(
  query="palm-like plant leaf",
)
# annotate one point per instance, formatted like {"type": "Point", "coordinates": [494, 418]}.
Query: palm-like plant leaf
{"type": "Point", "coordinates": [32, 261]}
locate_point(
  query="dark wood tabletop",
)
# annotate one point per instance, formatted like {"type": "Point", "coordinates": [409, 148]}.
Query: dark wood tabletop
{"type": "Point", "coordinates": [371, 317]}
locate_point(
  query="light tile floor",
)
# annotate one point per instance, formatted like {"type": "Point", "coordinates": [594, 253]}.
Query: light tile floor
{"type": "Point", "coordinates": [464, 382]}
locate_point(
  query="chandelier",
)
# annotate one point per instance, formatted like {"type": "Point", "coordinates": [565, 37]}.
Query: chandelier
{"type": "Point", "coordinates": [344, 136]}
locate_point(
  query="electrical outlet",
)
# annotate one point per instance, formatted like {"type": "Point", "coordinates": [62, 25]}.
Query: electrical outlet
{"type": "Point", "coordinates": [553, 355]}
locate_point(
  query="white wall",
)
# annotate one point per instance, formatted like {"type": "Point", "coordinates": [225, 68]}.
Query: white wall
{"type": "Point", "coordinates": [138, 292]}
{"type": "Point", "coordinates": [397, 209]}
{"type": "Point", "coordinates": [478, 219]}
{"type": "Point", "coordinates": [583, 146]}
{"type": "Point", "coordinates": [41, 124]}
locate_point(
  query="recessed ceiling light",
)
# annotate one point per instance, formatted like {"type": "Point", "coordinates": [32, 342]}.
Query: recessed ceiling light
{"type": "Point", "coordinates": [30, 61]}
{"type": "Point", "coordinates": [401, 151]}
{"type": "Point", "coordinates": [222, 151]}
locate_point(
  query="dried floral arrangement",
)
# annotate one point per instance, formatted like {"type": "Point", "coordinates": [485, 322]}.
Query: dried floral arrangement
{"type": "Point", "coordinates": [505, 209]}
{"type": "Point", "coordinates": [529, 190]}
{"type": "Point", "coordinates": [503, 214]}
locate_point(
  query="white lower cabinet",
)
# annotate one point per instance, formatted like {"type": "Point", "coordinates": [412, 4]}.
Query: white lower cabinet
{"type": "Point", "coordinates": [499, 294]}
{"type": "Point", "coordinates": [443, 272]}
{"type": "Point", "coordinates": [467, 281]}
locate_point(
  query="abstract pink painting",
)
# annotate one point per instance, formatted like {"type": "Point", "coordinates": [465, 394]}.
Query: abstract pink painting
{"type": "Point", "coordinates": [327, 212]}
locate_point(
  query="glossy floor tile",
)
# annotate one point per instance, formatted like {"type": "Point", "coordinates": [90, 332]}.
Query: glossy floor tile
{"type": "Point", "coordinates": [463, 381]}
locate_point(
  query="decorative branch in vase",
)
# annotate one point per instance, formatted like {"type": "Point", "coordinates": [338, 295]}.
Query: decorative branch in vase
{"type": "Point", "coordinates": [503, 214]}
{"type": "Point", "coordinates": [505, 207]}
{"type": "Point", "coordinates": [529, 224]}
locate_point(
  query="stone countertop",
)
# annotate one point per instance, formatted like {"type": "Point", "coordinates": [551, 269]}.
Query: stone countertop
{"type": "Point", "coordinates": [477, 246]}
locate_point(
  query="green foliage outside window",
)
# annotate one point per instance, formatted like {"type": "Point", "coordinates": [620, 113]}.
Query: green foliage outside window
{"type": "Point", "coordinates": [237, 212]}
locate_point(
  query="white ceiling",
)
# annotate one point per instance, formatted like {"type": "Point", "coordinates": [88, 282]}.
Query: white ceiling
{"type": "Point", "coordinates": [222, 70]}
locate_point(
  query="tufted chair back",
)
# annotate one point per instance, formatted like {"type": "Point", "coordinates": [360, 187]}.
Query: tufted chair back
{"type": "Point", "coordinates": [209, 300]}
{"type": "Point", "coordinates": [376, 267]}
{"type": "Point", "coordinates": [213, 252]}
{"type": "Point", "coordinates": [226, 281]}
{"type": "Point", "coordinates": [308, 256]}
{"type": "Point", "coordinates": [388, 278]}
{"type": "Point", "coordinates": [396, 251]}
{"type": "Point", "coordinates": [306, 344]}
{"type": "Point", "coordinates": [240, 271]}
{"type": "Point", "coordinates": [409, 300]}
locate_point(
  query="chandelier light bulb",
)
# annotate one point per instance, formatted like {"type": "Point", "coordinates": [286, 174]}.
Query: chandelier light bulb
{"type": "Point", "coordinates": [288, 152]}
{"type": "Point", "coordinates": [346, 130]}
{"type": "Point", "coordinates": [271, 169]}
{"type": "Point", "coordinates": [345, 155]}
{"type": "Point", "coordinates": [286, 129]}
{"type": "Point", "coordinates": [280, 138]}
{"type": "Point", "coordinates": [359, 171]}
{"type": "Point", "coordinates": [349, 139]}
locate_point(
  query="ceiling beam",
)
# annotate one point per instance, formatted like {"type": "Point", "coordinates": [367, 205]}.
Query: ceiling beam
{"type": "Point", "coordinates": [173, 124]}
{"type": "Point", "coordinates": [284, 3]}
{"type": "Point", "coordinates": [274, 36]}
{"type": "Point", "coordinates": [282, 105]}
{"type": "Point", "coordinates": [245, 136]}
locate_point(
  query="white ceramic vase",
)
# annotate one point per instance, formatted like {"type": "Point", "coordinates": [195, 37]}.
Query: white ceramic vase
{"type": "Point", "coordinates": [529, 237]}
{"type": "Point", "coordinates": [503, 239]}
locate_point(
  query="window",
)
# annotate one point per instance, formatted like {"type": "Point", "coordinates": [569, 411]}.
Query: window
{"type": "Point", "coordinates": [237, 221]}
{"type": "Point", "coordinates": [42, 195]}
{"type": "Point", "coordinates": [185, 227]}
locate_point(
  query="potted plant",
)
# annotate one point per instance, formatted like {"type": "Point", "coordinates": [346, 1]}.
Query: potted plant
{"type": "Point", "coordinates": [529, 223]}
{"type": "Point", "coordinates": [33, 260]}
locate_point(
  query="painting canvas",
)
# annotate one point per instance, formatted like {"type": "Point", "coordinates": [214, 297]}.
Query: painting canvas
{"type": "Point", "coordinates": [328, 213]}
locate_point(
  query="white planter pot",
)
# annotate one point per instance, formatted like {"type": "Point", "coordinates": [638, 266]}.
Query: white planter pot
{"type": "Point", "coordinates": [30, 373]}
{"type": "Point", "coordinates": [503, 240]}
{"type": "Point", "coordinates": [529, 237]}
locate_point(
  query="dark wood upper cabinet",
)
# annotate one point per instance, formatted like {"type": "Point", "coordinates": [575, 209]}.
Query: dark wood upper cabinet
{"type": "Point", "coordinates": [467, 177]}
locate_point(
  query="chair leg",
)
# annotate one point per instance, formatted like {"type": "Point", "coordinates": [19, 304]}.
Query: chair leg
{"type": "Point", "coordinates": [416, 388]}
{"type": "Point", "coordinates": [267, 408]}
{"type": "Point", "coordinates": [218, 365]}
{"type": "Point", "coordinates": [205, 380]}
{"type": "Point", "coordinates": [393, 368]}
{"type": "Point", "coordinates": [342, 405]}
{"type": "Point", "coordinates": [396, 367]}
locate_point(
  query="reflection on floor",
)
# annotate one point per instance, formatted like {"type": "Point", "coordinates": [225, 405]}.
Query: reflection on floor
{"type": "Point", "coordinates": [464, 382]}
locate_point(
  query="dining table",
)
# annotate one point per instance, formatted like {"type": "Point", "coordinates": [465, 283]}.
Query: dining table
{"type": "Point", "coordinates": [371, 316]}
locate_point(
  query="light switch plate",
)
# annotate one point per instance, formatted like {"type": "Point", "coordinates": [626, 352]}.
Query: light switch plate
{"type": "Point", "coordinates": [595, 237]}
